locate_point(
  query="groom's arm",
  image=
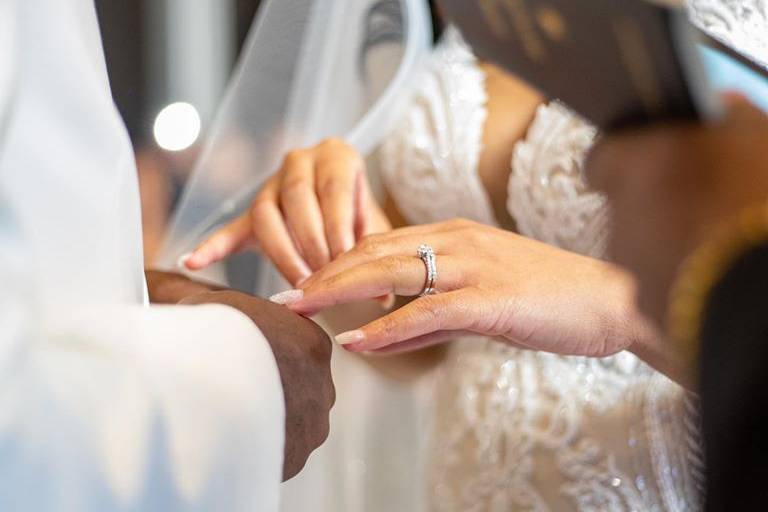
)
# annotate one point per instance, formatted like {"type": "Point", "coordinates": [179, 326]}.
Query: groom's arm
{"type": "Point", "coordinates": [303, 354]}
{"type": "Point", "coordinates": [135, 408]}
{"type": "Point", "coordinates": [301, 349]}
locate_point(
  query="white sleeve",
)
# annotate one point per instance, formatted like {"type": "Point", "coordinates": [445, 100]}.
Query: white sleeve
{"type": "Point", "coordinates": [7, 59]}
{"type": "Point", "coordinates": [136, 408]}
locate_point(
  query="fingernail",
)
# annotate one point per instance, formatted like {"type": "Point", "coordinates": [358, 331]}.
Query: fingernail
{"type": "Point", "coordinates": [388, 302]}
{"type": "Point", "coordinates": [288, 297]}
{"type": "Point", "coordinates": [349, 337]}
{"type": "Point", "coordinates": [302, 281]}
{"type": "Point", "coordinates": [182, 261]}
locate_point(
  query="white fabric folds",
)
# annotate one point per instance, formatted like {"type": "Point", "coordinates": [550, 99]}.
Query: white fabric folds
{"type": "Point", "coordinates": [107, 404]}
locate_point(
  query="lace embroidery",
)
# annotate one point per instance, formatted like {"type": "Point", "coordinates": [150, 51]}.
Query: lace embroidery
{"type": "Point", "coordinates": [429, 164]}
{"type": "Point", "coordinates": [547, 196]}
{"type": "Point", "coordinates": [743, 24]}
{"type": "Point", "coordinates": [523, 431]}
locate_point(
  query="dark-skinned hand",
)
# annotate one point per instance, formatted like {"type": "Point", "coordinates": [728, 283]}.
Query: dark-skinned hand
{"type": "Point", "coordinates": [303, 354]}
{"type": "Point", "coordinates": [172, 288]}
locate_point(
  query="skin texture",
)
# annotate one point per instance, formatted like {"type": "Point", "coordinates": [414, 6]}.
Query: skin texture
{"type": "Point", "coordinates": [317, 206]}
{"type": "Point", "coordinates": [319, 203]}
{"type": "Point", "coordinates": [571, 305]}
{"type": "Point", "coordinates": [671, 186]}
{"type": "Point", "coordinates": [302, 351]}
{"type": "Point", "coordinates": [293, 200]}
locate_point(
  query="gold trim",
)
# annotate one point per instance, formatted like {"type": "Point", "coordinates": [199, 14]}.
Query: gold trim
{"type": "Point", "coordinates": [701, 272]}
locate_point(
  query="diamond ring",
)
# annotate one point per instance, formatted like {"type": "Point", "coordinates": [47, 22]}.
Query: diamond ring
{"type": "Point", "coordinates": [427, 255]}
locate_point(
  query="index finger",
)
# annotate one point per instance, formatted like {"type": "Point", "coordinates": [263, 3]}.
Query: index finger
{"type": "Point", "coordinates": [224, 242]}
{"type": "Point", "coordinates": [422, 317]}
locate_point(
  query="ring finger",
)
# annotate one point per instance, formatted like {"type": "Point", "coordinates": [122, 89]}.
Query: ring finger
{"type": "Point", "coordinates": [401, 242]}
{"type": "Point", "coordinates": [400, 275]}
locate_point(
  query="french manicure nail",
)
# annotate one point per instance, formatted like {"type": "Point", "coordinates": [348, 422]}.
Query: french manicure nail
{"type": "Point", "coordinates": [349, 337]}
{"type": "Point", "coordinates": [288, 297]}
{"type": "Point", "coordinates": [182, 261]}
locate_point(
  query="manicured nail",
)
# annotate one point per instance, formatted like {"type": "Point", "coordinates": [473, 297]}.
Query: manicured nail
{"type": "Point", "coordinates": [347, 338]}
{"type": "Point", "coordinates": [182, 261]}
{"type": "Point", "coordinates": [288, 297]}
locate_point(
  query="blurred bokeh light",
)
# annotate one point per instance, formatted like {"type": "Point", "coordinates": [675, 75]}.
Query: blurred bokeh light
{"type": "Point", "coordinates": [177, 127]}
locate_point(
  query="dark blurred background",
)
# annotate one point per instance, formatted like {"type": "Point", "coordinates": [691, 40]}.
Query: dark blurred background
{"type": "Point", "coordinates": [145, 45]}
{"type": "Point", "coordinates": [169, 62]}
{"type": "Point", "coordinates": [163, 53]}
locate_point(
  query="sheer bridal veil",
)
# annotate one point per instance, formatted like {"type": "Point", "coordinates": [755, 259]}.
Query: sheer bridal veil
{"type": "Point", "coordinates": [310, 69]}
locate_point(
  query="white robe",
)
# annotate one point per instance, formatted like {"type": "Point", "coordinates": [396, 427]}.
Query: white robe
{"type": "Point", "coordinates": [107, 403]}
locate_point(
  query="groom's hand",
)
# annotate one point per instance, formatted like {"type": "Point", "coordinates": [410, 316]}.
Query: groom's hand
{"type": "Point", "coordinates": [172, 288]}
{"type": "Point", "coordinates": [303, 354]}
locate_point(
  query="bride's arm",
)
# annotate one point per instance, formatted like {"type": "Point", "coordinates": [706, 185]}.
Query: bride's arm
{"type": "Point", "coordinates": [491, 283]}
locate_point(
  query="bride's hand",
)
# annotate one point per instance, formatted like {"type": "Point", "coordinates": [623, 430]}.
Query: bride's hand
{"type": "Point", "coordinates": [490, 282]}
{"type": "Point", "coordinates": [316, 207]}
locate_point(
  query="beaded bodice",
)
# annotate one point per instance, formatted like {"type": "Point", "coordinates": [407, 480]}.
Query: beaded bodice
{"type": "Point", "coordinates": [519, 430]}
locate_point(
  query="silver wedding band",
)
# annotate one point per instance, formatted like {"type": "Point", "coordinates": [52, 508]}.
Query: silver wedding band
{"type": "Point", "coordinates": [427, 255]}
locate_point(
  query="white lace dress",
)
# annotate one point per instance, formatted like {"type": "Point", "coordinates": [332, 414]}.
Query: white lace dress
{"type": "Point", "coordinates": [517, 430]}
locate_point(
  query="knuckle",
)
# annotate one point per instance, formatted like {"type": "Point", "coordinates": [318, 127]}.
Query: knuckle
{"type": "Point", "coordinates": [372, 248]}
{"type": "Point", "coordinates": [427, 310]}
{"type": "Point", "coordinates": [472, 234]}
{"type": "Point", "coordinates": [338, 150]}
{"type": "Point", "coordinates": [330, 187]}
{"type": "Point", "coordinates": [394, 265]}
{"type": "Point", "coordinates": [459, 223]}
{"type": "Point", "coordinates": [336, 282]}
{"type": "Point", "coordinates": [387, 327]}
{"type": "Point", "coordinates": [371, 245]}
{"type": "Point", "coordinates": [322, 432]}
{"type": "Point", "coordinates": [293, 183]}
{"type": "Point", "coordinates": [334, 143]}
{"type": "Point", "coordinates": [294, 157]}
{"type": "Point", "coordinates": [259, 209]}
